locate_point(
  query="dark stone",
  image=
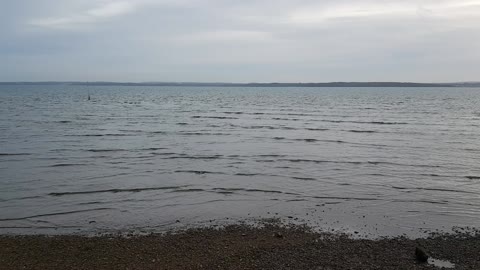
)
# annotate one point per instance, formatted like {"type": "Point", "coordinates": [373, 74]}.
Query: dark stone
{"type": "Point", "coordinates": [278, 235]}
{"type": "Point", "coordinates": [421, 254]}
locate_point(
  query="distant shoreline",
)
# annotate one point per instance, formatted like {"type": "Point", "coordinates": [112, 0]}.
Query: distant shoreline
{"type": "Point", "coordinates": [213, 84]}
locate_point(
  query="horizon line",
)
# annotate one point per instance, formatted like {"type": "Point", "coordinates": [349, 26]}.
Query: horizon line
{"type": "Point", "coordinates": [223, 82]}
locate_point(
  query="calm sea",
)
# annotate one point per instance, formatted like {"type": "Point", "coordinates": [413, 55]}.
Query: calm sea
{"type": "Point", "coordinates": [383, 161]}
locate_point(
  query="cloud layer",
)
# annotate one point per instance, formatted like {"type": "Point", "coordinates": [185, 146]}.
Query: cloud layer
{"type": "Point", "coordinates": [241, 41]}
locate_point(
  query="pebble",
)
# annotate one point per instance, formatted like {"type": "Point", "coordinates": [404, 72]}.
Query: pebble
{"type": "Point", "coordinates": [421, 254]}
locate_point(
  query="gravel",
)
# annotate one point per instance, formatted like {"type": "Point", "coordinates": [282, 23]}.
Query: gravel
{"type": "Point", "coordinates": [235, 247]}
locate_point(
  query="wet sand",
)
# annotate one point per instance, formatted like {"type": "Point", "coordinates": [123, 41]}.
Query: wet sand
{"type": "Point", "coordinates": [235, 247]}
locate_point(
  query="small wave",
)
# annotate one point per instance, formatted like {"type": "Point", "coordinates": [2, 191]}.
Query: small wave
{"type": "Point", "coordinates": [401, 164]}
{"type": "Point", "coordinates": [260, 127]}
{"type": "Point", "coordinates": [56, 214]}
{"type": "Point", "coordinates": [321, 161]}
{"type": "Point", "coordinates": [433, 189]}
{"type": "Point", "coordinates": [21, 198]}
{"type": "Point", "coordinates": [432, 175]}
{"type": "Point", "coordinates": [224, 192]}
{"type": "Point", "coordinates": [271, 155]}
{"type": "Point", "coordinates": [68, 164]}
{"type": "Point", "coordinates": [422, 201]}
{"type": "Point", "coordinates": [15, 154]}
{"type": "Point", "coordinates": [106, 150]}
{"type": "Point", "coordinates": [246, 174]}
{"type": "Point", "coordinates": [361, 131]}
{"type": "Point", "coordinates": [36, 227]}
{"type": "Point", "coordinates": [364, 122]}
{"type": "Point", "coordinates": [268, 127]}
{"type": "Point", "coordinates": [472, 177]}
{"type": "Point", "coordinates": [182, 124]}
{"type": "Point", "coordinates": [285, 119]}
{"type": "Point", "coordinates": [360, 162]}
{"type": "Point", "coordinates": [449, 190]}
{"type": "Point", "coordinates": [117, 135]}
{"type": "Point", "coordinates": [131, 130]}
{"type": "Point", "coordinates": [195, 157]}
{"type": "Point", "coordinates": [188, 190]}
{"type": "Point", "coordinates": [317, 129]}
{"type": "Point", "coordinates": [471, 149]}
{"type": "Point", "coordinates": [233, 112]}
{"type": "Point", "coordinates": [100, 135]}
{"type": "Point", "coordinates": [214, 117]}
{"type": "Point", "coordinates": [154, 148]}
{"type": "Point", "coordinates": [304, 178]}
{"type": "Point", "coordinates": [165, 154]}
{"type": "Point", "coordinates": [251, 190]}
{"type": "Point", "coordinates": [203, 134]}
{"type": "Point", "coordinates": [328, 141]}
{"type": "Point", "coordinates": [299, 114]}
{"type": "Point", "coordinates": [346, 198]}
{"type": "Point", "coordinates": [103, 176]}
{"type": "Point", "coordinates": [113, 190]}
{"type": "Point", "coordinates": [385, 123]}
{"type": "Point", "coordinates": [229, 189]}
{"type": "Point", "coordinates": [307, 140]}
{"type": "Point", "coordinates": [266, 160]}
{"type": "Point", "coordinates": [198, 172]}
{"type": "Point", "coordinates": [333, 141]}
{"type": "Point", "coordinates": [91, 203]}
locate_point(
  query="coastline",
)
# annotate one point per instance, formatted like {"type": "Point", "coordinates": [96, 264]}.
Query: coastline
{"type": "Point", "coordinates": [270, 246]}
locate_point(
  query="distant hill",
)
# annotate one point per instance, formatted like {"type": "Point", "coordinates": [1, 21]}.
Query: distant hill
{"type": "Point", "coordinates": [467, 84]}
{"type": "Point", "coordinates": [213, 84]}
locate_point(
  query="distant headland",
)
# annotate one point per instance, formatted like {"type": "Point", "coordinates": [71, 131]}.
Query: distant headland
{"type": "Point", "coordinates": [253, 84]}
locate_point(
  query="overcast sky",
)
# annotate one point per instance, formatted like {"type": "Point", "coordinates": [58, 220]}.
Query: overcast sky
{"type": "Point", "coordinates": [240, 41]}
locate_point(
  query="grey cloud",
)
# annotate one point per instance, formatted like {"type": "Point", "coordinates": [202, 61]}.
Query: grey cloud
{"type": "Point", "coordinates": [266, 40]}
